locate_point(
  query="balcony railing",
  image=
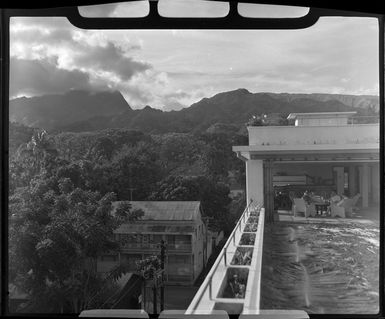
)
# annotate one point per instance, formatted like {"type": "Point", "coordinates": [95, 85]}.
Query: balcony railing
{"type": "Point", "coordinates": [185, 247]}
{"type": "Point", "coordinates": [364, 119]}
{"type": "Point", "coordinates": [213, 293]}
{"type": "Point", "coordinates": [179, 247]}
{"type": "Point", "coordinates": [285, 136]}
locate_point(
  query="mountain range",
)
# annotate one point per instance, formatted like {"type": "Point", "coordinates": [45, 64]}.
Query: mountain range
{"type": "Point", "coordinates": [80, 111]}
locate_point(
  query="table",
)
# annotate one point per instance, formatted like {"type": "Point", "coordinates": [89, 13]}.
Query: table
{"type": "Point", "coordinates": [321, 207]}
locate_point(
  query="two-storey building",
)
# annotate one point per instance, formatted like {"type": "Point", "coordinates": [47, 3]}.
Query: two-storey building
{"type": "Point", "coordinates": [179, 224]}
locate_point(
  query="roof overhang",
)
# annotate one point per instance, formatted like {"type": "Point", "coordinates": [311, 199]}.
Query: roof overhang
{"type": "Point", "coordinates": [310, 153]}
{"type": "Point", "coordinates": [293, 116]}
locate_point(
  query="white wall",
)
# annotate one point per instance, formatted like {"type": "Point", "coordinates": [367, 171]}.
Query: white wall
{"type": "Point", "coordinates": [254, 181]}
{"type": "Point", "coordinates": [293, 135]}
{"type": "Point", "coordinates": [322, 121]}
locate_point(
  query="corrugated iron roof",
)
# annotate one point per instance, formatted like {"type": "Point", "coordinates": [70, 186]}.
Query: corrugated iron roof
{"type": "Point", "coordinates": [166, 210]}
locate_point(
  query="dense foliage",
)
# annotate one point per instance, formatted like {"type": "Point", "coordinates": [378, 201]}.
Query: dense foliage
{"type": "Point", "coordinates": [61, 191]}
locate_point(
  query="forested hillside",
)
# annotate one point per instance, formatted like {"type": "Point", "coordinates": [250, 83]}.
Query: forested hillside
{"type": "Point", "coordinates": [81, 111]}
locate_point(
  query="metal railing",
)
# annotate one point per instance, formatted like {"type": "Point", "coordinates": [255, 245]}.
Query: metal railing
{"type": "Point", "coordinates": [155, 246]}
{"type": "Point", "coordinates": [370, 119]}
{"type": "Point", "coordinates": [360, 119]}
{"type": "Point", "coordinates": [222, 257]}
{"type": "Point", "coordinates": [223, 253]}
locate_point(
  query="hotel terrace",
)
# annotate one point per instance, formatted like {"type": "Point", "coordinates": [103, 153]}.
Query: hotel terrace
{"type": "Point", "coordinates": [321, 153]}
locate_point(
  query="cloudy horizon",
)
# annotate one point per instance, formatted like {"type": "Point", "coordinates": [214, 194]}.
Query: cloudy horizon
{"type": "Point", "coordinates": [172, 69]}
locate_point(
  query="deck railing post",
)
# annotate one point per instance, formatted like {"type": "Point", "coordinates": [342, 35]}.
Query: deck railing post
{"type": "Point", "coordinates": [210, 289]}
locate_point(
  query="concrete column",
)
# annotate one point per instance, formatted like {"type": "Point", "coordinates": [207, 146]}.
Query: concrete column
{"type": "Point", "coordinates": [352, 181]}
{"type": "Point", "coordinates": [340, 179]}
{"type": "Point", "coordinates": [268, 190]}
{"type": "Point", "coordinates": [375, 180]}
{"type": "Point", "coordinates": [364, 184]}
{"type": "Point", "coordinates": [254, 181]}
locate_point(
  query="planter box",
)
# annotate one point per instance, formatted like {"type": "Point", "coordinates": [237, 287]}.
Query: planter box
{"type": "Point", "coordinates": [254, 214]}
{"type": "Point", "coordinates": [252, 220]}
{"type": "Point", "coordinates": [242, 256]}
{"type": "Point", "coordinates": [251, 228]}
{"type": "Point", "coordinates": [247, 239]}
{"type": "Point", "coordinates": [234, 283]}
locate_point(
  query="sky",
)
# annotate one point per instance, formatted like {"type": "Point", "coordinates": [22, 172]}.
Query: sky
{"type": "Point", "coordinates": [171, 69]}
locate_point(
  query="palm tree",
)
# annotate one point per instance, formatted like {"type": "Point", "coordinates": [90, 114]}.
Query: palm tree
{"type": "Point", "coordinates": [41, 149]}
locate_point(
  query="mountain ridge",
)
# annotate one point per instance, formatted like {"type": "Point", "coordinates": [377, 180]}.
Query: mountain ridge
{"type": "Point", "coordinates": [88, 111]}
{"type": "Point", "coordinates": [53, 110]}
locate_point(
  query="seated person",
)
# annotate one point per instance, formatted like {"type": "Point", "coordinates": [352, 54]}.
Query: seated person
{"type": "Point", "coordinates": [316, 198]}
{"type": "Point", "coordinates": [307, 198]}
{"type": "Point", "coordinates": [335, 198]}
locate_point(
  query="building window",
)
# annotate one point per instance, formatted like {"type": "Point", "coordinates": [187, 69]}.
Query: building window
{"type": "Point", "coordinates": [182, 239]}
{"type": "Point", "coordinates": [179, 259]}
{"type": "Point", "coordinates": [109, 258]}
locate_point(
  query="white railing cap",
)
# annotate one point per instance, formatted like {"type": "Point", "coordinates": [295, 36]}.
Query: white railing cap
{"type": "Point", "coordinates": [114, 313]}
{"type": "Point", "coordinates": [198, 314]}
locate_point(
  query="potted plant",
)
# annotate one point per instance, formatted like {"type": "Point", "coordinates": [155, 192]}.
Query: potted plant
{"type": "Point", "coordinates": [234, 285]}
{"type": "Point", "coordinates": [247, 239]}
{"type": "Point", "coordinates": [252, 219]}
{"type": "Point", "coordinates": [251, 227]}
{"type": "Point", "coordinates": [242, 256]}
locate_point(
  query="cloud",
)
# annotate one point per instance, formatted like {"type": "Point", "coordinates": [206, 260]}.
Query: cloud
{"type": "Point", "coordinates": [59, 51]}
{"type": "Point", "coordinates": [34, 77]}
{"type": "Point", "coordinates": [110, 58]}
{"type": "Point", "coordinates": [170, 70]}
{"type": "Point", "coordinates": [176, 100]}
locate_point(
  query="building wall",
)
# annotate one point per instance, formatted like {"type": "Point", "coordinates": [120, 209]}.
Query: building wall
{"type": "Point", "coordinates": [322, 121]}
{"type": "Point", "coordinates": [254, 181]}
{"type": "Point", "coordinates": [183, 264]}
{"type": "Point", "coordinates": [292, 135]}
{"type": "Point", "coordinates": [179, 268]}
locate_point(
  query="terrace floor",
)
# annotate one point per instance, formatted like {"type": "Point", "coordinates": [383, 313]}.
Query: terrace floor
{"type": "Point", "coordinates": [322, 265]}
{"type": "Point", "coordinates": [362, 215]}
